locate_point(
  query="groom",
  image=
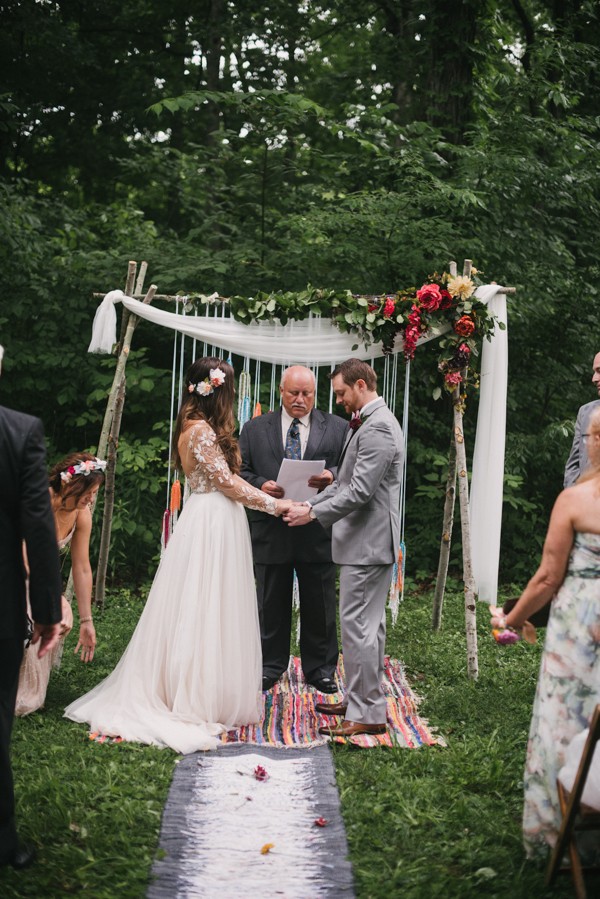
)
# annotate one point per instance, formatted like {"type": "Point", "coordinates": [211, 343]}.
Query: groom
{"type": "Point", "coordinates": [362, 507]}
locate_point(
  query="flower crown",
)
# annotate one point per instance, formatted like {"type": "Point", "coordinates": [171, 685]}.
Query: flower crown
{"type": "Point", "coordinates": [207, 386]}
{"type": "Point", "coordinates": [84, 467]}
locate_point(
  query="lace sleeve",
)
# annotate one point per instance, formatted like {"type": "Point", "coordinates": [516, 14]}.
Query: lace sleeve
{"type": "Point", "coordinates": [209, 459]}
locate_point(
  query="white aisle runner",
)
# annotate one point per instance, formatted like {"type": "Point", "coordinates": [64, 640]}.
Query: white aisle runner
{"type": "Point", "coordinates": [246, 821]}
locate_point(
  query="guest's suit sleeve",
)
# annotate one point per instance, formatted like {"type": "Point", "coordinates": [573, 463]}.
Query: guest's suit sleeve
{"type": "Point", "coordinates": [376, 450]}
{"type": "Point", "coordinates": [38, 530]}
{"type": "Point", "coordinates": [247, 445]}
{"type": "Point", "coordinates": [573, 466]}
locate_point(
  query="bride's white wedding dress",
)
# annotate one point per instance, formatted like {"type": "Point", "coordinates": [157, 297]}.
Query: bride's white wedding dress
{"type": "Point", "coordinates": [193, 666]}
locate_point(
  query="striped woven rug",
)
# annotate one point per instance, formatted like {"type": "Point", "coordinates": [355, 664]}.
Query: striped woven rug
{"type": "Point", "coordinates": [289, 716]}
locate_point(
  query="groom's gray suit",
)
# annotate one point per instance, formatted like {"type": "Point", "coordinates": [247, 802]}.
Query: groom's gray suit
{"type": "Point", "coordinates": [578, 457]}
{"type": "Point", "coordinates": [362, 506]}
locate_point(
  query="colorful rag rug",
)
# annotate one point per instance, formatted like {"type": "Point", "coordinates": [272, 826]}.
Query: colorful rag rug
{"type": "Point", "coordinates": [290, 720]}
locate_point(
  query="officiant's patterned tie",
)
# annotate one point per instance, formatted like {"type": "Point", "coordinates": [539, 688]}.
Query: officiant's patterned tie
{"type": "Point", "coordinates": [292, 441]}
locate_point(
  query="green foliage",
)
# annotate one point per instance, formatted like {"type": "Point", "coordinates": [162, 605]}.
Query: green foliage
{"type": "Point", "coordinates": [354, 148]}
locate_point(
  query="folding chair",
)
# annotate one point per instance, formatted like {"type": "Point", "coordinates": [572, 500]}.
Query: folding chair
{"type": "Point", "coordinates": [576, 817]}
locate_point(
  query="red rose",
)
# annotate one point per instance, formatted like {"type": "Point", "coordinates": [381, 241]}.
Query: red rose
{"type": "Point", "coordinates": [430, 297]}
{"type": "Point", "coordinates": [465, 326]}
{"type": "Point", "coordinates": [446, 299]}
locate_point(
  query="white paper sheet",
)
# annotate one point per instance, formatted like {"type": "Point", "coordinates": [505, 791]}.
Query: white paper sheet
{"type": "Point", "coordinates": [294, 475]}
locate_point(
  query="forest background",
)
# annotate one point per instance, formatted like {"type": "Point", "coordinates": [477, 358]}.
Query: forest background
{"type": "Point", "coordinates": [352, 145]}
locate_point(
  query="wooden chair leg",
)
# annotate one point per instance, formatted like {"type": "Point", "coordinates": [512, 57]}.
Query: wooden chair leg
{"type": "Point", "coordinates": [576, 867]}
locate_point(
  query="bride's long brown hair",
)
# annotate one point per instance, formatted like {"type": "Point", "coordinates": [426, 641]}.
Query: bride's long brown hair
{"type": "Point", "coordinates": [216, 408]}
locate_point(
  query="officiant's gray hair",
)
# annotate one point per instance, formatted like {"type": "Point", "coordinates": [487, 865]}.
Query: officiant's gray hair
{"type": "Point", "coordinates": [290, 367]}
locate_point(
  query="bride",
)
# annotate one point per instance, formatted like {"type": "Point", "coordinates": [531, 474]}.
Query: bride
{"type": "Point", "coordinates": [193, 667]}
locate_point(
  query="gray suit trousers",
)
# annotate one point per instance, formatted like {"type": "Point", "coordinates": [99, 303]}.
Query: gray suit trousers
{"type": "Point", "coordinates": [363, 595]}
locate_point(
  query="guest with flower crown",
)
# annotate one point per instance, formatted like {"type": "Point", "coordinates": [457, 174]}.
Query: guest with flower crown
{"type": "Point", "coordinates": [74, 483]}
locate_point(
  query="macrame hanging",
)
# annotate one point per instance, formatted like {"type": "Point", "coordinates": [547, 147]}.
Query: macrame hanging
{"type": "Point", "coordinates": [249, 406]}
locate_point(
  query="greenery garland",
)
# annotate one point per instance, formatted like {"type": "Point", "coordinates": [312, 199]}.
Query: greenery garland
{"type": "Point", "coordinates": [442, 300]}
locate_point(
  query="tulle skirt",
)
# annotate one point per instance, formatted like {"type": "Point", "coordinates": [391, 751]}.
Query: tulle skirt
{"type": "Point", "coordinates": [193, 666]}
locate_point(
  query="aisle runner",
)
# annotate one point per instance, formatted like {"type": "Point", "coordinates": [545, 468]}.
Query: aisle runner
{"type": "Point", "coordinates": [289, 717]}
{"type": "Point", "coordinates": [248, 823]}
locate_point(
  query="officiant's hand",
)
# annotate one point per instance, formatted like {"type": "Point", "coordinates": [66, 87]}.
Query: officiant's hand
{"type": "Point", "coordinates": [273, 489]}
{"type": "Point", "coordinates": [297, 514]}
{"type": "Point", "coordinates": [320, 481]}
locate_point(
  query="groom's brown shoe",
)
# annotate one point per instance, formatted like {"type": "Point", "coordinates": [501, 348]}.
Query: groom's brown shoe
{"type": "Point", "coordinates": [353, 729]}
{"type": "Point", "coordinates": [331, 708]}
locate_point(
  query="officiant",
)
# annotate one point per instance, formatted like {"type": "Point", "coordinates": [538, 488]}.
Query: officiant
{"type": "Point", "coordinates": [295, 431]}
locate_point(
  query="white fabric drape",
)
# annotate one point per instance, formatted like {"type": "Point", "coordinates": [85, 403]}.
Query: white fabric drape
{"type": "Point", "coordinates": [487, 481]}
{"type": "Point", "coordinates": [104, 329]}
{"type": "Point", "coordinates": [316, 341]}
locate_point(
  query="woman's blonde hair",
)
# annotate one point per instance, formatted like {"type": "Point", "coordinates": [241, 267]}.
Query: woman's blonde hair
{"type": "Point", "coordinates": [215, 407]}
{"type": "Point", "coordinates": [593, 470]}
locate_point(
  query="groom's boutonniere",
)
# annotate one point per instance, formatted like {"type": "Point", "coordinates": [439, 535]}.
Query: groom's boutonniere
{"type": "Point", "coordinates": [355, 422]}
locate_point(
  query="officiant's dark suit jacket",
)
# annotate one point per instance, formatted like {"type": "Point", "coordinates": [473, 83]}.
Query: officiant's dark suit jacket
{"type": "Point", "coordinates": [278, 549]}
{"type": "Point", "coordinates": [25, 514]}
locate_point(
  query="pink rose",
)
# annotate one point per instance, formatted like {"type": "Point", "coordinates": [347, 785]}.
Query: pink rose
{"type": "Point", "coordinates": [453, 378]}
{"type": "Point", "coordinates": [430, 297]}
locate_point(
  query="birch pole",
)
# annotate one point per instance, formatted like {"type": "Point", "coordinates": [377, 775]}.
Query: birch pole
{"type": "Point", "coordinates": [448, 522]}
{"type": "Point", "coordinates": [109, 496]}
{"type": "Point", "coordinates": [465, 522]}
{"type": "Point", "coordinates": [446, 541]}
{"type": "Point", "coordinates": [110, 436]}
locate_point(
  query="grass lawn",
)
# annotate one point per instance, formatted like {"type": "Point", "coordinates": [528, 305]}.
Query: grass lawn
{"type": "Point", "coordinates": [420, 823]}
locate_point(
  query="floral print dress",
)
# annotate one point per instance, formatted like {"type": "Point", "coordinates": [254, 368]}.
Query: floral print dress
{"type": "Point", "coordinates": [567, 692]}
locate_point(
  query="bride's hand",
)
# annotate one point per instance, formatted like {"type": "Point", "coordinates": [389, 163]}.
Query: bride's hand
{"type": "Point", "coordinates": [283, 505]}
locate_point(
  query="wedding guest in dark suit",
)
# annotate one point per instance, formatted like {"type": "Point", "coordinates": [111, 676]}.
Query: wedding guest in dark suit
{"type": "Point", "coordinates": [25, 515]}
{"type": "Point", "coordinates": [297, 430]}
{"type": "Point", "coordinates": [578, 460]}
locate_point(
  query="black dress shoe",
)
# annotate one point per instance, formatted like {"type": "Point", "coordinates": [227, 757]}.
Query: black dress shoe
{"type": "Point", "coordinates": [22, 857]}
{"type": "Point", "coordinates": [269, 681]}
{"type": "Point", "coordinates": [324, 685]}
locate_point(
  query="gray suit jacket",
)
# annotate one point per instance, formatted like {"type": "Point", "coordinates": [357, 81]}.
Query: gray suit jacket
{"type": "Point", "coordinates": [578, 457]}
{"type": "Point", "coordinates": [363, 505]}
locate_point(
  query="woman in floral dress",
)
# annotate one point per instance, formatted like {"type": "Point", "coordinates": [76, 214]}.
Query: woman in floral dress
{"type": "Point", "coordinates": [569, 682]}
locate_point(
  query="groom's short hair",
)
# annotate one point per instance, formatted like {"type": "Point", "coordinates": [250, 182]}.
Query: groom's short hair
{"type": "Point", "coordinates": [353, 369]}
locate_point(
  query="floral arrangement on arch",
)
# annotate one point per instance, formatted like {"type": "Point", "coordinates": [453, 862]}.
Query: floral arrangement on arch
{"type": "Point", "coordinates": [443, 299]}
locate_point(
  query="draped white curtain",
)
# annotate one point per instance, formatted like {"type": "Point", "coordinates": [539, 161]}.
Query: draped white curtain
{"type": "Point", "coordinates": [316, 341]}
